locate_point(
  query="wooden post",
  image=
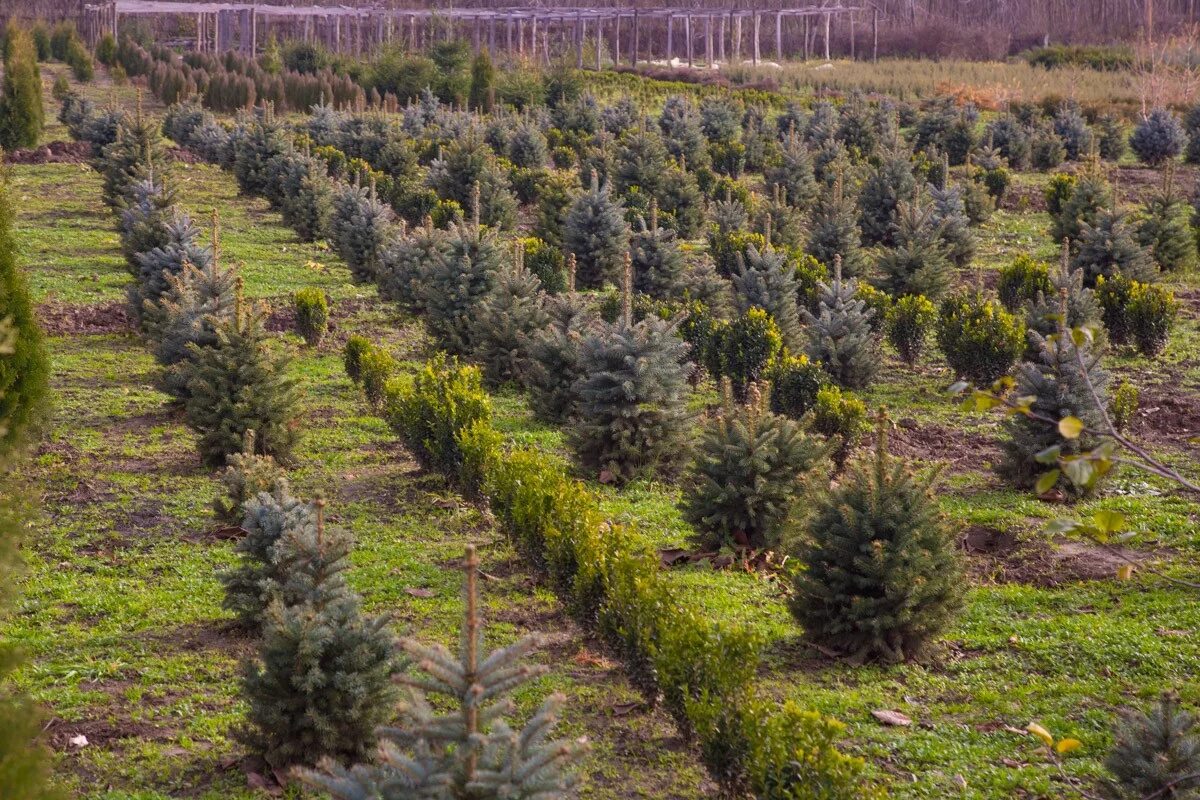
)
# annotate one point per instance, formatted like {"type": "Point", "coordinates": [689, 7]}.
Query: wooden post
{"type": "Point", "coordinates": [852, 48]}
{"type": "Point", "coordinates": [737, 39]}
{"type": "Point", "coordinates": [617, 40]}
{"type": "Point", "coordinates": [509, 23]}
{"type": "Point", "coordinates": [687, 35]}
{"type": "Point", "coordinates": [757, 21]}
{"type": "Point", "coordinates": [492, 35]}
{"type": "Point", "coordinates": [599, 42]}
{"type": "Point", "coordinates": [807, 36]}
{"type": "Point", "coordinates": [670, 37]}
{"type": "Point", "coordinates": [477, 39]}
{"type": "Point", "coordinates": [779, 36]}
{"type": "Point", "coordinates": [580, 32]}
{"type": "Point", "coordinates": [633, 54]}
{"type": "Point", "coordinates": [875, 35]}
{"type": "Point", "coordinates": [533, 43]}
{"type": "Point", "coordinates": [200, 33]}
{"type": "Point", "coordinates": [708, 41]}
{"type": "Point", "coordinates": [827, 19]}
{"type": "Point", "coordinates": [521, 36]}
{"type": "Point", "coordinates": [546, 42]}
{"type": "Point", "coordinates": [721, 38]}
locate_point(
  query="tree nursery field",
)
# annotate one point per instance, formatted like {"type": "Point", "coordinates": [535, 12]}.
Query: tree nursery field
{"type": "Point", "coordinates": [418, 427]}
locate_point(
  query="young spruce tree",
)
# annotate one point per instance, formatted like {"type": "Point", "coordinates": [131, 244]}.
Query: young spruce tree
{"type": "Point", "coordinates": [469, 752]}
{"type": "Point", "coordinates": [597, 234]}
{"type": "Point", "coordinates": [883, 576]}
{"type": "Point", "coordinates": [840, 335]}
{"type": "Point", "coordinates": [321, 684]}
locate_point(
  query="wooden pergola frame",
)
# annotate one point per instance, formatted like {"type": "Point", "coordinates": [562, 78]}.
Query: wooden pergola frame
{"type": "Point", "coordinates": [225, 25]}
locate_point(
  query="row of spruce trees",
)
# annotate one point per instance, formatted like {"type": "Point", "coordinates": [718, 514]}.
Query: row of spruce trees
{"type": "Point", "coordinates": [321, 686]}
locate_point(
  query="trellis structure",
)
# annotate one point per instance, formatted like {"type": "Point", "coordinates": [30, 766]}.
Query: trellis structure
{"type": "Point", "coordinates": [707, 36]}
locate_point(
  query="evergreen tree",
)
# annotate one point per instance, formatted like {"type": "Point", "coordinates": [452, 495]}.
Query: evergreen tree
{"type": "Point", "coordinates": [1073, 131]}
{"type": "Point", "coordinates": [1166, 232]}
{"type": "Point", "coordinates": [1089, 198]}
{"type": "Point", "coordinates": [555, 363]}
{"type": "Point", "coordinates": [452, 287]}
{"type": "Point", "coordinates": [950, 213]}
{"type": "Point", "coordinates": [469, 752]}
{"type": "Point", "coordinates": [1060, 390]}
{"type": "Point", "coordinates": [527, 146]}
{"type": "Point", "coordinates": [194, 302]}
{"type": "Point", "coordinates": [402, 264]}
{"type": "Point", "coordinates": [322, 682]}
{"type": "Point", "coordinates": [596, 233]}
{"type": "Point", "coordinates": [21, 112]}
{"type": "Point", "coordinates": [1159, 137]}
{"type": "Point", "coordinates": [1110, 137]}
{"type": "Point", "coordinates": [182, 247]}
{"type": "Point", "coordinates": [767, 280]}
{"type": "Point", "coordinates": [835, 234]}
{"type": "Point", "coordinates": [238, 384]}
{"type": "Point", "coordinates": [306, 196]}
{"type": "Point", "coordinates": [260, 140]}
{"type": "Point", "coordinates": [247, 475]}
{"type": "Point", "coordinates": [1011, 139]}
{"type": "Point", "coordinates": [793, 173]}
{"type": "Point", "coordinates": [889, 184]}
{"type": "Point", "coordinates": [744, 349]}
{"type": "Point", "coordinates": [840, 335]}
{"type": "Point", "coordinates": [908, 324]}
{"type": "Point", "coordinates": [1108, 247]}
{"type": "Point", "coordinates": [882, 574]}
{"type": "Point", "coordinates": [680, 126]}
{"type": "Point", "coordinates": [1156, 753]}
{"type": "Point", "coordinates": [146, 211]}
{"type": "Point", "coordinates": [1043, 312]}
{"type": "Point", "coordinates": [657, 260]}
{"type": "Point", "coordinates": [138, 151]}
{"type": "Point", "coordinates": [509, 317]}
{"type": "Point", "coordinates": [919, 263]}
{"type": "Point", "coordinates": [746, 475]}
{"type": "Point", "coordinates": [360, 226]}
{"type": "Point", "coordinates": [468, 165]}
{"type": "Point", "coordinates": [633, 419]}
{"type": "Point", "coordinates": [641, 163]}
{"type": "Point", "coordinates": [483, 82]}
{"type": "Point", "coordinates": [24, 363]}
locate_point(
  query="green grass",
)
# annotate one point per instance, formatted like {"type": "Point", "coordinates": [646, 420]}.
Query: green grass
{"type": "Point", "coordinates": [121, 612]}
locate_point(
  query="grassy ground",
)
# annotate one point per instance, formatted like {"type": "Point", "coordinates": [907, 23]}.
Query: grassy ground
{"type": "Point", "coordinates": [130, 647]}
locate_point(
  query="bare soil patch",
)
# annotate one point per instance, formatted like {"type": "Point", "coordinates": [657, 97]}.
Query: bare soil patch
{"type": "Point", "coordinates": [52, 153]}
{"type": "Point", "coordinates": [995, 556]}
{"type": "Point", "coordinates": [62, 319]}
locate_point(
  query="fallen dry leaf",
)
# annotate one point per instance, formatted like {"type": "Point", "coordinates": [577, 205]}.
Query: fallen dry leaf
{"type": "Point", "coordinates": [891, 717]}
{"type": "Point", "coordinates": [419, 592]}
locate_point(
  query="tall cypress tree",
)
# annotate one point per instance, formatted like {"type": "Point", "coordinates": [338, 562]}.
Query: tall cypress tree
{"type": "Point", "coordinates": [21, 113]}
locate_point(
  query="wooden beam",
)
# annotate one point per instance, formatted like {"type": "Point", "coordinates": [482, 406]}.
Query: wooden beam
{"type": "Point", "coordinates": [757, 21]}
{"type": "Point", "coordinates": [633, 54]}
{"type": "Point", "coordinates": [779, 37]}
{"type": "Point", "coordinates": [828, 18]}
{"type": "Point", "coordinates": [670, 37]}
{"type": "Point", "coordinates": [708, 40]}
{"type": "Point", "coordinates": [687, 35]}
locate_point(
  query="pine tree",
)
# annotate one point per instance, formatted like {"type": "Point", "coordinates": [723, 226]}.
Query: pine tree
{"type": "Point", "coordinates": [361, 227]}
{"type": "Point", "coordinates": [21, 113]}
{"type": "Point", "coordinates": [24, 363]}
{"type": "Point", "coordinates": [194, 302]}
{"type": "Point", "coordinates": [452, 288]}
{"type": "Point", "coordinates": [509, 317]}
{"type": "Point", "coordinates": [680, 126]}
{"type": "Point", "coordinates": [840, 336]}
{"type": "Point", "coordinates": [1109, 247]}
{"type": "Point", "coordinates": [1060, 389]}
{"type": "Point", "coordinates": [1073, 131]}
{"type": "Point", "coordinates": [919, 263]}
{"type": "Point", "coordinates": [259, 140]}
{"type": "Point", "coordinates": [1165, 230]}
{"type": "Point", "coordinates": [1043, 312]}
{"type": "Point", "coordinates": [483, 82]}
{"type": "Point", "coordinates": [746, 475]}
{"type": "Point", "coordinates": [307, 196]}
{"type": "Point", "coordinates": [641, 162]}
{"type": "Point", "coordinates": [322, 682]}
{"type": "Point", "coordinates": [137, 151]}
{"type": "Point", "coordinates": [793, 173]}
{"type": "Point", "coordinates": [470, 752]}
{"type": "Point", "coordinates": [950, 213]}
{"type": "Point", "coordinates": [767, 280]}
{"type": "Point", "coordinates": [146, 211]}
{"type": "Point", "coordinates": [657, 260]}
{"type": "Point", "coordinates": [468, 165]}
{"type": "Point", "coordinates": [884, 189]}
{"type": "Point", "coordinates": [633, 419]}
{"type": "Point", "coordinates": [595, 231]}
{"type": "Point", "coordinates": [181, 248]}
{"type": "Point", "coordinates": [238, 384]}
{"type": "Point", "coordinates": [1156, 753]}
{"type": "Point", "coordinates": [835, 233]}
{"type": "Point", "coordinates": [882, 576]}
{"type": "Point", "coordinates": [246, 475]}
{"type": "Point", "coordinates": [398, 275]}
{"type": "Point", "coordinates": [1089, 198]}
{"type": "Point", "coordinates": [555, 363]}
